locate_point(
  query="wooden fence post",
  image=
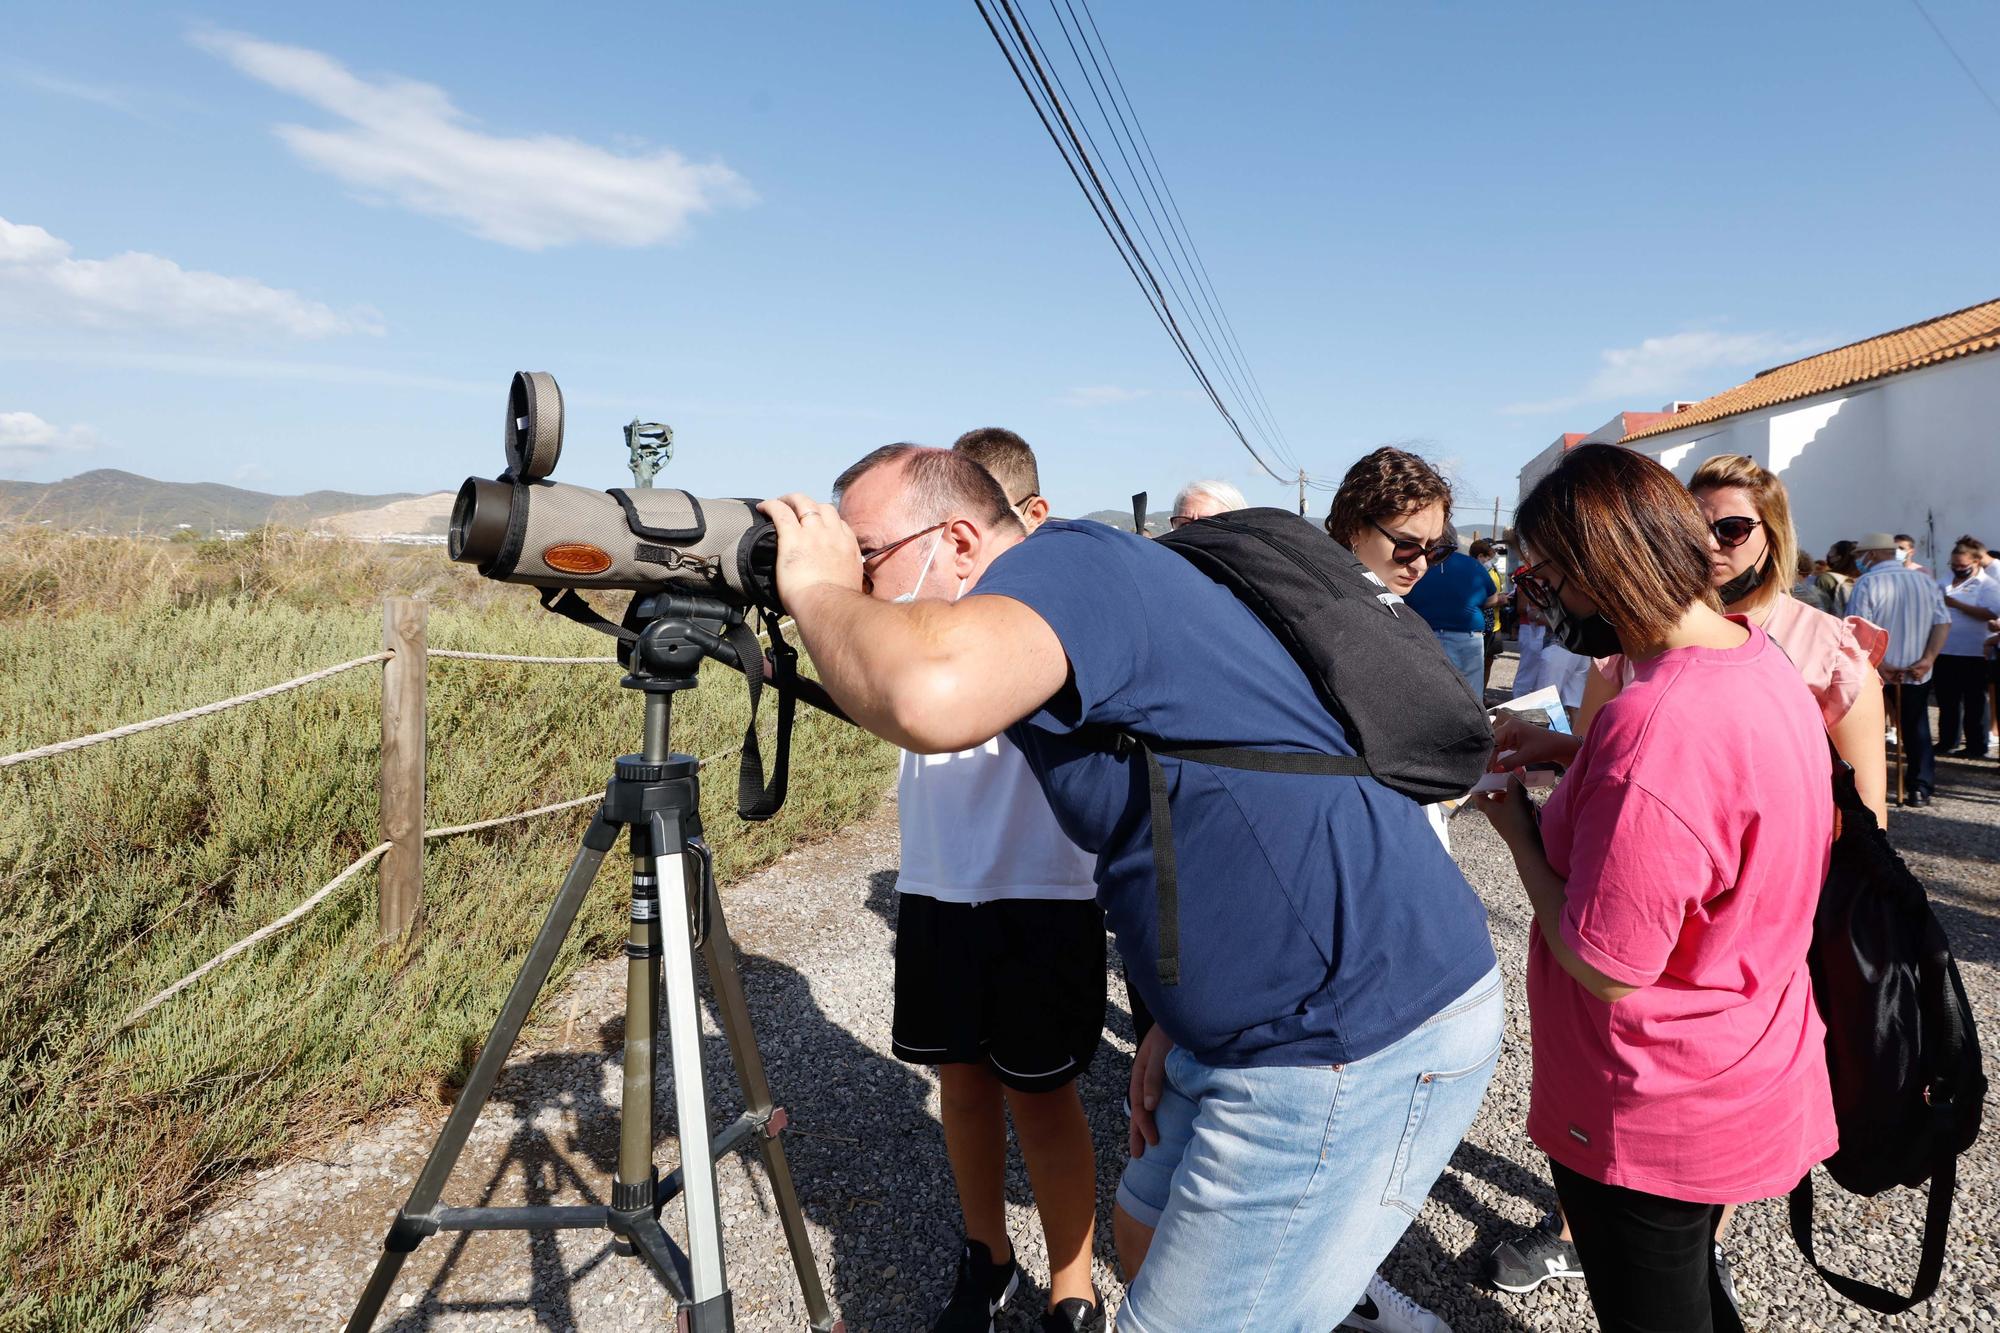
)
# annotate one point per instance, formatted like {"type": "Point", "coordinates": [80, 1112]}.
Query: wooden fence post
{"type": "Point", "coordinates": [401, 877]}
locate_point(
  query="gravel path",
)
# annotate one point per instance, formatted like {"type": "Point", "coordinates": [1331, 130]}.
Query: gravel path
{"type": "Point", "coordinates": [292, 1249]}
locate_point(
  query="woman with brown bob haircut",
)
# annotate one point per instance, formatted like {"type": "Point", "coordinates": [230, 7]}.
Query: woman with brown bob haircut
{"type": "Point", "coordinates": [1680, 1062]}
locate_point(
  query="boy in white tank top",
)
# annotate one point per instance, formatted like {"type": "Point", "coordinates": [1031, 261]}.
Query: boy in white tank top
{"type": "Point", "coordinates": [1000, 969]}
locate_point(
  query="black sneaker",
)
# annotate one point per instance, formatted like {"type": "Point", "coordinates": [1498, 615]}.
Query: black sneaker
{"type": "Point", "coordinates": [981, 1288]}
{"type": "Point", "coordinates": [1726, 1278]}
{"type": "Point", "coordinates": [1075, 1315]}
{"type": "Point", "coordinates": [1525, 1261]}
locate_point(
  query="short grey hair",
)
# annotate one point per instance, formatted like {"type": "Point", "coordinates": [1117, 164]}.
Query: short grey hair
{"type": "Point", "coordinates": [1221, 492]}
{"type": "Point", "coordinates": [938, 484]}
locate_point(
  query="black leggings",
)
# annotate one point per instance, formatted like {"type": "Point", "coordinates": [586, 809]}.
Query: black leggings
{"type": "Point", "coordinates": [1648, 1261]}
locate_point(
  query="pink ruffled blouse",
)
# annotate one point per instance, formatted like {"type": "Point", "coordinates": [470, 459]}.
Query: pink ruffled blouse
{"type": "Point", "coordinates": [1834, 656]}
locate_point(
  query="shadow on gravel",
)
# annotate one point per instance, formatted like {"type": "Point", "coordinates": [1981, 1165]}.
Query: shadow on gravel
{"type": "Point", "coordinates": [550, 1169]}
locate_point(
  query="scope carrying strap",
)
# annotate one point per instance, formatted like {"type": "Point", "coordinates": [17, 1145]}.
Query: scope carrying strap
{"type": "Point", "coordinates": [755, 798]}
{"type": "Point", "coordinates": [1166, 870]}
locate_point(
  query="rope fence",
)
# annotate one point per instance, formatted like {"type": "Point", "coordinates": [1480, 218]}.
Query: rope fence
{"type": "Point", "coordinates": [403, 692]}
{"type": "Point", "coordinates": [222, 705]}
{"type": "Point", "coordinates": [354, 867]}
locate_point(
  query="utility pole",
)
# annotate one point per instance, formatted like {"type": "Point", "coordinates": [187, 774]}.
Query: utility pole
{"type": "Point", "coordinates": [1495, 534]}
{"type": "Point", "coordinates": [1302, 492]}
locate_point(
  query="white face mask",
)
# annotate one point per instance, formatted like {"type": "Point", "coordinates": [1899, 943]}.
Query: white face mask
{"type": "Point", "coordinates": [925, 573]}
{"type": "Point", "coordinates": [922, 574]}
{"type": "Point", "coordinates": [1902, 556]}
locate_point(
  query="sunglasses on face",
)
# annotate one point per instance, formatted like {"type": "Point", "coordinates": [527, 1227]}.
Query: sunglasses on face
{"type": "Point", "coordinates": [1540, 591]}
{"type": "Point", "coordinates": [1405, 550]}
{"type": "Point", "coordinates": [1733, 531]}
{"type": "Point", "coordinates": [872, 560]}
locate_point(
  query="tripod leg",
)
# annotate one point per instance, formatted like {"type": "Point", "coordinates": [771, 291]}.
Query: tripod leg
{"type": "Point", "coordinates": [414, 1221]}
{"type": "Point", "coordinates": [632, 1186]}
{"type": "Point", "coordinates": [719, 955]}
{"type": "Point", "coordinates": [704, 1220]}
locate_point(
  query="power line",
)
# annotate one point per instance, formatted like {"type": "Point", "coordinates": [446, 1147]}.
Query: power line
{"type": "Point", "coordinates": [1046, 94]}
{"type": "Point", "coordinates": [1179, 224]}
{"type": "Point", "coordinates": [1152, 268]}
{"type": "Point", "coordinates": [1926, 14]}
{"type": "Point", "coordinates": [1208, 312]}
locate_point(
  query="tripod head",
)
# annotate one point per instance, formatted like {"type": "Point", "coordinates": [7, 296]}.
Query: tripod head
{"type": "Point", "coordinates": [680, 629]}
{"type": "Point", "coordinates": [664, 639]}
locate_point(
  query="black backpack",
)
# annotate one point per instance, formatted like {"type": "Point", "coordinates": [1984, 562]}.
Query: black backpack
{"type": "Point", "coordinates": [1901, 1052]}
{"type": "Point", "coordinates": [1373, 661]}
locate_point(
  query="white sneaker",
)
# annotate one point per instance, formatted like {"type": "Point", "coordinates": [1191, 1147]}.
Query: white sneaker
{"type": "Point", "coordinates": [1383, 1309]}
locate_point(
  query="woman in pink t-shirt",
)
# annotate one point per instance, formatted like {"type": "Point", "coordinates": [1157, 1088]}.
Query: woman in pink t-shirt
{"type": "Point", "coordinates": [1679, 1060]}
{"type": "Point", "coordinates": [1751, 543]}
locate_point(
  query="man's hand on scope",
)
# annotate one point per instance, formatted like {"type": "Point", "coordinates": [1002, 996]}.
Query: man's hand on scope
{"type": "Point", "coordinates": [815, 548]}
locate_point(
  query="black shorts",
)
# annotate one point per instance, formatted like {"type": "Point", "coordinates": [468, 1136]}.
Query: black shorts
{"type": "Point", "coordinates": [1017, 985]}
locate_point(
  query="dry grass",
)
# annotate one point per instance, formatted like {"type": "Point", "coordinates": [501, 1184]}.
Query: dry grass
{"type": "Point", "coordinates": [123, 866]}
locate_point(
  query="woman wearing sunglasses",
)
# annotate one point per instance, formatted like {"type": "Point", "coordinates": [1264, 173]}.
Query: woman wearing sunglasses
{"type": "Point", "coordinates": [1393, 511]}
{"type": "Point", "coordinates": [1679, 1060]}
{"type": "Point", "coordinates": [1751, 542]}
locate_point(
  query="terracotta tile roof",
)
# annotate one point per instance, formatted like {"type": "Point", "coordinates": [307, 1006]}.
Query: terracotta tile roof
{"type": "Point", "coordinates": [1572, 438]}
{"type": "Point", "coordinates": [1638, 421]}
{"type": "Point", "coordinates": [1961, 333]}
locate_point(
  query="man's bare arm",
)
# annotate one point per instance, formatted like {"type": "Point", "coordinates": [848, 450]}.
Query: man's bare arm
{"type": "Point", "coordinates": [933, 677]}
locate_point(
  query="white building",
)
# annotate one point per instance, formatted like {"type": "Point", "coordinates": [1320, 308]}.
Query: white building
{"type": "Point", "coordinates": [1896, 433]}
{"type": "Point", "coordinates": [1611, 432]}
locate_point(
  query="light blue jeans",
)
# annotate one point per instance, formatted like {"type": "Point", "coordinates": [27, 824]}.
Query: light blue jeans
{"type": "Point", "coordinates": [1467, 650]}
{"type": "Point", "coordinates": [1276, 1191]}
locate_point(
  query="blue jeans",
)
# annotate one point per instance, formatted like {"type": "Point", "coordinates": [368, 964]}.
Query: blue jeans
{"type": "Point", "coordinates": [1276, 1191]}
{"type": "Point", "coordinates": [1466, 650]}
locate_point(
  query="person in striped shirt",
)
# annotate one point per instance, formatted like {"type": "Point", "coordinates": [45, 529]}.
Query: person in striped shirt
{"type": "Point", "coordinates": [1906, 602]}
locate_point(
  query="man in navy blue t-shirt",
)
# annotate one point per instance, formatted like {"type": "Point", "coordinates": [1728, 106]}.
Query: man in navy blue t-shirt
{"type": "Point", "coordinates": [1338, 1012]}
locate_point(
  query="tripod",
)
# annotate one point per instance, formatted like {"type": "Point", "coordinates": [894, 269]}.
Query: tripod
{"type": "Point", "coordinates": [655, 796]}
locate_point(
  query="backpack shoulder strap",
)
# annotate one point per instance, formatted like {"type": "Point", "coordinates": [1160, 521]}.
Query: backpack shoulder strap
{"type": "Point", "coordinates": [1930, 1263]}
{"type": "Point", "coordinates": [1166, 869]}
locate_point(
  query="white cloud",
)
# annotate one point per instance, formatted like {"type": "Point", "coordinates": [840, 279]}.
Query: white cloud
{"type": "Point", "coordinates": [39, 280]}
{"type": "Point", "coordinates": [407, 142]}
{"type": "Point", "coordinates": [25, 436]}
{"type": "Point", "coordinates": [1673, 366]}
{"type": "Point", "coordinates": [97, 93]}
{"type": "Point", "coordinates": [1102, 395]}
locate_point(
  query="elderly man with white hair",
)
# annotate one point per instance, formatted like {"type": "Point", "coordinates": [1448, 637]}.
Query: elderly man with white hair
{"type": "Point", "coordinates": [1204, 499]}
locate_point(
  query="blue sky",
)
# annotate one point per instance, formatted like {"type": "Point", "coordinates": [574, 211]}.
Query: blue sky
{"type": "Point", "coordinates": [294, 248]}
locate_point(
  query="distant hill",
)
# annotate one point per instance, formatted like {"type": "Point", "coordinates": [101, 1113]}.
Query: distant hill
{"type": "Point", "coordinates": [1156, 521]}
{"type": "Point", "coordinates": [108, 500]}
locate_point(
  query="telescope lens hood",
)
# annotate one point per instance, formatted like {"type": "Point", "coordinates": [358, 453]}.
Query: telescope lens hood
{"type": "Point", "coordinates": [480, 518]}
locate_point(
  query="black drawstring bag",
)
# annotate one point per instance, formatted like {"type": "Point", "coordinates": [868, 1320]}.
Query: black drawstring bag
{"type": "Point", "coordinates": [1901, 1051]}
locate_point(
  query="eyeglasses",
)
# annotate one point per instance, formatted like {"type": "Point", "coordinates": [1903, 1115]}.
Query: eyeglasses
{"type": "Point", "coordinates": [1407, 549]}
{"type": "Point", "coordinates": [1016, 505]}
{"type": "Point", "coordinates": [1733, 531]}
{"type": "Point", "coordinates": [1540, 591]}
{"type": "Point", "coordinates": [1182, 520]}
{"type": "Point", "coordinates": [872, 560]}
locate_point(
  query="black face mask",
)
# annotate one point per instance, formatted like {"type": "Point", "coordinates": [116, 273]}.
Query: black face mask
{"type": "Point", "coordinates": [1587, 636]}
{"type": "Point", "coordinates": [1743, 584]}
